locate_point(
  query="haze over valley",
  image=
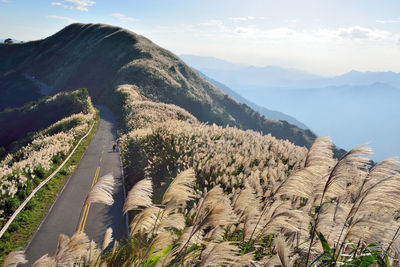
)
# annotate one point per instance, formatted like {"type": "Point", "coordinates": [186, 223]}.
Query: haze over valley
{"type": "Point", "coordinates": [353, 108]}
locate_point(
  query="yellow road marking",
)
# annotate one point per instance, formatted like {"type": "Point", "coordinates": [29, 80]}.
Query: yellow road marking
{"type": "Point", "coordinates": [87, 207]}
{"type": "Point", "coordinates": [101, 159]}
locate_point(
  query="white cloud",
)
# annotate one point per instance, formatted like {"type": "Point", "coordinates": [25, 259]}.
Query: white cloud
{"type": "Point", "coordinates": [81, 5]}
{"type": "Point", "coordinates": [389, 21]}
{"type": "Point", "coordinates": [123, 17]}
{"type": "Point", "coordinates": [5, 1]}
{"type": "Point", "coordinates": [357, 32]}
{"type": "Point", "coordinates": [240, 19]}
{"type": "Point", "coordinates": [70, 20]}
{"type": "Point", "coordinates": [223, 29]}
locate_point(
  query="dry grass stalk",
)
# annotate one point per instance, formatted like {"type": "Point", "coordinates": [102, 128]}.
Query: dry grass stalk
{"type": "Point", "coordinates": [226, 254]}
{"type": "Point", "coordinates": [181, 189]}
{"type": "Point", "coordinates": [76, 248]}
{"type": "Point", "coordinates": [163, 240]}
{"type": "Point", "coordinates": [146, 220]}
{"type": "Point", "coordinates": [215, 210]}
{"type": "Point", "coordinates": [107, 238]}
{"type": "Point", "coordinates": [14, 258]}
{"type": "Point", "coordinates": [140, 195]}
{"type": "Point", "coordinates": [45, 261]}
{"type": "Point", "coordinates": [102, 191]}
{"type": "Point", "coordinates": [318, 162]}
{"type": "Point", "coordinates": [283, 251]}
{"type": "Point", "coordinates": [63, 241]}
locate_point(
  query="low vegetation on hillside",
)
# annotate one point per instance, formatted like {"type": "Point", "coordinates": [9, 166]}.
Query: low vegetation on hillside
{"type": "Point", "coordinates": [19, 125]}
{"type": "Point", "coordinates": [22, 170]}
{"type": "Point", "coordinates": [205, 195]}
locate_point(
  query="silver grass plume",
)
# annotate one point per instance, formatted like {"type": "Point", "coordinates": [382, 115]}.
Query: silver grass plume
{"type": "Point", "coordinates": [63, 241]}
{"type": "Point", "coordinates": [108, 238]}
{"type": "Point", "coordinates": [215, 210]}
{"type": "Point", "coordinates": [45, 261]}
{"type": "Point", "coordinates": [115, 247]}
{"type": "Point", "coordinates": [101, 192]}
{"type": "Point", "coordinates": [225, 254]}
{"type": "Point", "coordinates": [14, 258]}
{"type": "Point", "coordinates": [181, 189]}
{"type": "Point", "coordinates": [140, 195]}
{"type": "Point", "coordinates": [349, 166]}
{"type": "Point", "coordinates": [278, 218]}
{"type": "Point", "coordinates": [318, 162]}
{"type": "Point", "coordinates": [283, 251]}
{"type": "Point", "coordinates": [334, 185]}
{"type": "Point", "coordinates": [379, 189]}
{"type": "Point", "coordinates": [146, 220]}
{"type": "Point", "coordinates": [92, 253]}
{"type": "Point", "coordinates": [188, 238]}
{"type": "Point", "coordinates": [75, 249]}
{"type": "Point", "coordinates": [246, 202]}
{"type": "Point", "coordinates": [163, 240]}
{"type": "Point", "coordinates": [170, 220]}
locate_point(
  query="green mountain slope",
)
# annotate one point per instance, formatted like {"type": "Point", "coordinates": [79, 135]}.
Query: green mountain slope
{"type": "Point", "coordinates": [101, 57]}
{"type": "Point", "coordinates": [19, 124]}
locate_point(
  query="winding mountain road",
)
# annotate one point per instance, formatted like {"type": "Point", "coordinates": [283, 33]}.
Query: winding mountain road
{"type": "Point", "coordinates": [67, 215]}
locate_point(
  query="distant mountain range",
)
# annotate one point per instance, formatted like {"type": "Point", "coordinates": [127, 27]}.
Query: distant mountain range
{"type": "Point", "coordinates": [354, 108]}
{"type": "Point", "coordinates": [272, 114]}
{"type": "Point", "coordinates": [238, 76]}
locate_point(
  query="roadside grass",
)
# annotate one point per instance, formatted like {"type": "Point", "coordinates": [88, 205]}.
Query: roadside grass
{"type": "Point", "coordinates": [29, 219]}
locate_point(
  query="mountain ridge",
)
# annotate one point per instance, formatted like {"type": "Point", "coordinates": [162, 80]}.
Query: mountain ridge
{"type": "Point", "coordinates": [279, 77]}
{"type": "Point", "coordinates": [70, 59]}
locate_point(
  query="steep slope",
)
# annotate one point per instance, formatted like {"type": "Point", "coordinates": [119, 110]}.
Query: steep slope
{"type": "Point", "coordinates": [101, 57]}
{"type": "Point", "coordinates": [272, 114]}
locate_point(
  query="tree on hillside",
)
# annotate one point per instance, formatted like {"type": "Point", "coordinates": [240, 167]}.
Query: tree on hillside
{"type": "Point", "coordinates": [8, 41]}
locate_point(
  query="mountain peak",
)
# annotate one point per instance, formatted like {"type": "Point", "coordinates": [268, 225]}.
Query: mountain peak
{"type": "Point", "coordinates": [102, 58]}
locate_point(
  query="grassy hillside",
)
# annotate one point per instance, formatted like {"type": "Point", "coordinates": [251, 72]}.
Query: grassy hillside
{"type": "Point", "coordinates": [206, 195]}
{"type": "Point", "coordinates": [70, 59]}
{"type": "Point", "coordinates": [18, 123]}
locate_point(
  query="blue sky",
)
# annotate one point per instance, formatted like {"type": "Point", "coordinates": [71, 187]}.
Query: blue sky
{"type": "Point", "coordinates": [321, 36]}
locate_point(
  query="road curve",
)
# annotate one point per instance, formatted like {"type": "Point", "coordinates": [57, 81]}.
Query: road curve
{"type": "Point", "coordinates": [68, 214]}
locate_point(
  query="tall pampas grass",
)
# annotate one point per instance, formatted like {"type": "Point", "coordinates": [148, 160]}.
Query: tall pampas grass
{"type": "Point", "coordinates": [317, 164]}
{"type": "Point", "coordinates": [45, 261]}
{"type": "Point", "coordinates": [76, 248]}
{"type": "Point", "coordinates": [225, 254]}
{"type": "Point", "coordinates": [108, 238]}
{"type": "Point", "coordinates": [334, 185]}
{"type": "Point", "coordinates": [146, 220]}
{"type": "Point", "coordinates": [283, 251]}
{"type": "Point", "coordinates": [140, 195]}
{"type": "Point", "coordinates": [14, 258]}
{"type": "Point", "coordinates": [102, 191]}
{"type": "Point", "coordinates": [63, 241]}
{"type": "Point", "coordinates": [181, 189]}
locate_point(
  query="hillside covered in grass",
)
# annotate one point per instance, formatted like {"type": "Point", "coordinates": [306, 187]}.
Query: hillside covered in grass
{"type": "Point", "coordinates": [206, 195]}
{"type": "Point", "coordinates": [101, 58]}
{"type": "Point", "coordinates": [19, 124]}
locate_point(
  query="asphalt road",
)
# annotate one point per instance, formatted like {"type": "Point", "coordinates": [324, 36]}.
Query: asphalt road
{"type": "Point", "coordinates": [68, 213]}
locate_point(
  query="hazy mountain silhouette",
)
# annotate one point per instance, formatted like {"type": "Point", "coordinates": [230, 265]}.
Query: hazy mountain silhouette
{"type": "Point", "coordinates": [239, 76]}
{"type": "Point", "coordinates": [353, 108]}
{"type": "Point", "coordinates": [272, 114]}
{"type": "Point", "coordinates": [234, 75]}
